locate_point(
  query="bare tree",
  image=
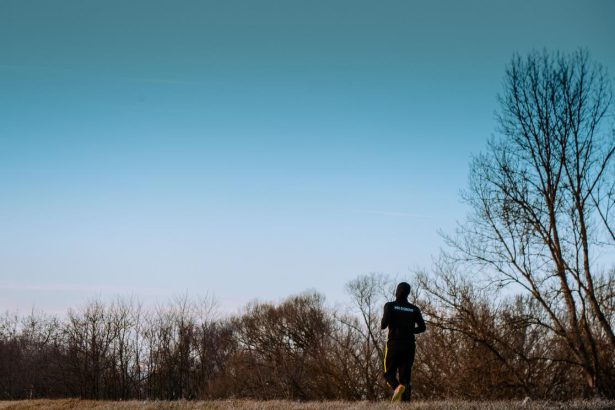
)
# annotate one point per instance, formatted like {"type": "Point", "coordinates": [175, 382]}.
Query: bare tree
{"type": "Point", "coordinates": [89, 337]}
{"type": "Point", "coordinates": [283, 350]}
{"type": "Point", "coordinates": [368, 294]}
{"type": "Point", "coordinates": [482, 345]}
{"type": "Point", "coordinates": [542, 200]}
{"type": "Point", "coordinates": [123, 317]}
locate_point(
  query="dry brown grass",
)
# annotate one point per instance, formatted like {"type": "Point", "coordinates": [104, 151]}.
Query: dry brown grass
{"type": "Point", "coordinates": [279, 405]}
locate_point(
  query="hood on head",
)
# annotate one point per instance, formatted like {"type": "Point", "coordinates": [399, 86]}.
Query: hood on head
{"type": "Point", "coordinates": [402, 291]}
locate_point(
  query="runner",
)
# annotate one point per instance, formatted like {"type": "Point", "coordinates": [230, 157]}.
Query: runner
{"type": "Point", "coordinates": [404, 320]}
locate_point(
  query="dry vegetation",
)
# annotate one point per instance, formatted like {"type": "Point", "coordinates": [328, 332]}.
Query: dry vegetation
{"type": "Point", "coordinates": [280, 404]}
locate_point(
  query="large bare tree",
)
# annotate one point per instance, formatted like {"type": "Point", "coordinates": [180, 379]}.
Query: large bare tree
{"type": "Point", "coordinates": [542, 201]}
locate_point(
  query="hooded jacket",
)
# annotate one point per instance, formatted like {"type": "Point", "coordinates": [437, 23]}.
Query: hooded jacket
{"type": "Point", "coordinates": [403, 319]}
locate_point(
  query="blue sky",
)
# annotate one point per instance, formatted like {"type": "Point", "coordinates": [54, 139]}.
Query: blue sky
{"type": "Point", "coordinates": [249, 149]}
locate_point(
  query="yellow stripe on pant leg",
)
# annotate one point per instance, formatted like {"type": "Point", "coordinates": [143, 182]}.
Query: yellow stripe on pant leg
{"type": "Point", "coordinates": [386, 350]}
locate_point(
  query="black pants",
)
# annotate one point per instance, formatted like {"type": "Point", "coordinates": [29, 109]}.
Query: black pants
{"type": "Point", "coordinates": [399, 356]}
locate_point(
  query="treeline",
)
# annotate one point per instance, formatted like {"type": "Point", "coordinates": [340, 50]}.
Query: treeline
{"type": "Point", "coordinates": [478, 346]}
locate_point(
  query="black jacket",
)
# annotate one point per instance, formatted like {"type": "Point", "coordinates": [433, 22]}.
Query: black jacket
{"type": "Point", "coordinates": [403, 319]}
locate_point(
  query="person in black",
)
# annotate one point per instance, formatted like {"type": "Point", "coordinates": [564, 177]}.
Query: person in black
{"type": "Point", "coordinates": [404, 320]}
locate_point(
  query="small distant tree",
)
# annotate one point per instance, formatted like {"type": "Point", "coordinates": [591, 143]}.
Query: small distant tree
{"type": "Point", "coordinates": [89, 338]}
{"type": "Point", "coordinates": [283, 350]}
{"type": "Point", "coordinates": [542, 198]}
{"type": "Point", "coordinates": [368, 294]}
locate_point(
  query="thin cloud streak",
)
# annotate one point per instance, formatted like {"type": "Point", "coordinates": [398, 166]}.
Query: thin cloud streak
{"type": "Point", "coordinates": [78, 288]}
{"type": "Point", "coordinates": [164, 81]}
{"type": "Point", "coordinates": [142, 80]}
{"type": "Point", "coordinates": [30, 67]}
{"type": "Point", "coordinates": [399, 214]}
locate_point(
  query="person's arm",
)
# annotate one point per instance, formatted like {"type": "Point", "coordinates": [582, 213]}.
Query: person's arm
{"type": "Point", "coordinates": [420, 323]}
{"type": "Point", "coordinates": [386, 317]}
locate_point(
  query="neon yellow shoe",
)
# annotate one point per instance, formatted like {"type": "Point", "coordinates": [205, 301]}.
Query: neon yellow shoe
{"type": "Point", "coordinates": [398, 393]}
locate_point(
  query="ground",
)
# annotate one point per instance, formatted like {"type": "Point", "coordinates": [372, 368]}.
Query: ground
{"type": "Point", "coordinates": [279, 405]}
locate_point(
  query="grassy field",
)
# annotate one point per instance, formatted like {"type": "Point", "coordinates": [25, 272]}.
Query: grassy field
{"type": "Point", "coordinates": [279, 405]}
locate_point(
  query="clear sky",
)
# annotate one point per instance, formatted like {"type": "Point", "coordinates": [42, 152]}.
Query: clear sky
{"type": "Point", "coordinates": [249, 149]}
